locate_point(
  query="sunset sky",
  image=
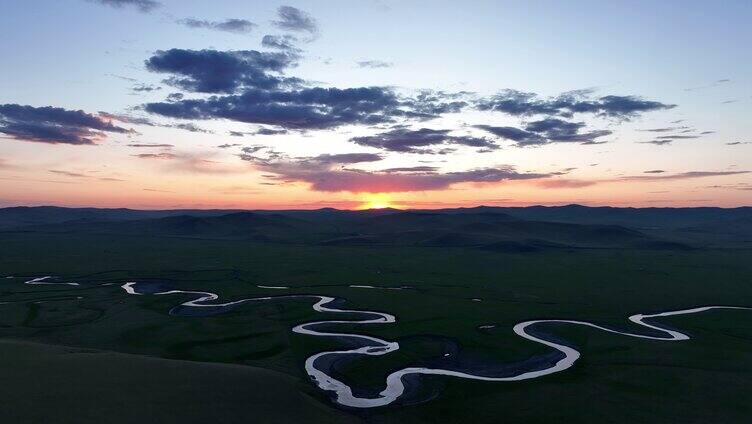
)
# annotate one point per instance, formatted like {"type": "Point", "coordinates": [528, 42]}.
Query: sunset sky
{"type": "Point", "coordinates": [373, 103]}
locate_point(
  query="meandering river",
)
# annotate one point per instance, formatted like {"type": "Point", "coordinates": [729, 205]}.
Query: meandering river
{"type": "Point", "coordinates": [373, 346]}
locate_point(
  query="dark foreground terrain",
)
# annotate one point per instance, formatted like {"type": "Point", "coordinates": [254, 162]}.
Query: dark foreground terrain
{"type": "Point", "coordinates": [93, 353]}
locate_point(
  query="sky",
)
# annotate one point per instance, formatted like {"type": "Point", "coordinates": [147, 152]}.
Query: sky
{"type": "Point", "coordinates": [159, 104]}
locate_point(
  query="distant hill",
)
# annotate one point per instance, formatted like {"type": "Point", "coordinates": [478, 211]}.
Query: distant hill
{"type": "Point", "coordinates": [23, 216]}
{"type": "Point", "coordinates": [503, 229]}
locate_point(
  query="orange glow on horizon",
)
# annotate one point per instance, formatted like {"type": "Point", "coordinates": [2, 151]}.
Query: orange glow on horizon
{"type": "Point", "coordinates": [376, 201]}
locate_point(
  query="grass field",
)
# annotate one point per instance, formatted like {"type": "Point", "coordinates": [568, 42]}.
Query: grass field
{"type": "Point", "coordinates": [185, 362]}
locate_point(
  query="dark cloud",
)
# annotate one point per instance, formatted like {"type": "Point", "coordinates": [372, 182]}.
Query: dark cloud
{"type": "Point", "coordinates": [145, 88]}
{"type": "Point", "coordinates": [228, 145]}
{"type": "Point", "coordinates": [127, 119]}
{"type": "Point", "coordinates": [144, 6]}
{"type": "Point", "coordinates": [53, 125]}
{"type": "Point", "coordinates": [213, 71]}
{"type": "Point", "coordinates": [255, 91]}
{"type": "Point", "coordinates": [559, 131]}
{"type": "Point", "coordinates": [328, 173]}
{"type": "Point", "coordinates": [677, 137]}
{"type": "Point", "coordinates": [310, 108]}
{"type": "Point", "coordinates": [665, 129]}
{"type": "Point", "coordinates": [147, 122]}
{"type": "Point", "coordinates": [285, 43]}
{"type": "Point", "coordinates": [519, 136]}
{"type": "Point", "coordinates": [545, 131]}
{"type": "Point", "coordinates": [269, 131]}
{"type": "Point", "coordinates": [658, 142]}
{"type": "Point", "coordinates": [292, 19]}
{"type": "Point", "coordinates": [374, 64]}
{"type": "Point", "coordinates": [237, 26]}
{"type": "Point", "coordinates": [737, 143]}
{"type": "Point", "coordinates": [174, 97]}
{"type": "Point", "coordinates": [654, 171]}
{"type": "Point", "coordinates": [431, 103]}
{"type": "Point", "coordinates": [669, 139]}
{"type": "Point", "coordinates": [260, 131]}
{"type": "Point", "coordinates": [520, 103]}
{"type": "Point", "coordinates": [189, 127]}
{"type": "Point", "coordinates": [419, 141]}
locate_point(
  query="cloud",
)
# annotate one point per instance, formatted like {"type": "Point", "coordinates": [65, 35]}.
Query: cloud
{"type": "Point", "coordinates": [560, 131]}
{"type": "Point", "coordinates": [285, 43]}
{"type": "Point", "coordinates": [237, 26]}
{"type": "Point", "coordinates": [519, 103]}
{"type": "Point", "coordinates": [193, 163]}
{"type": "Point", "coordinates": [711, 85]}
{"type": "Point", "coordinates": [213, 71]}
{"type": "Point", "coordinates": [144, 6]}
{"type": "Point", "coordinates": [412, 169]}
{"type": "Point", "coordinates": [665, 129]}
{"type": "Point", "coordinates": [545, 131]}
{"type": "Point", "coordinates": [658, 142]}
{"type": "Point", "coordinates": [148, 122]}
{"type": "Point", "coordinates": [310, 108]}
{"type": "Point", "coordinates": [269, 131]}
{"type": "Point", "coordinates": [374, 64]}
{"type": "Point", "coordinates": [54, 125]}
{"type": "Point", "coordinates": [127, 119]}
{"type": "Point", "coordinates": [431, 103]}
{"type": "Point", "coordinates": [68, 174]}
{"type": "Point", "coordinates": [737, 143]}
{"type": "Point", "coordinates": [653, 176]}
{"type": "Point", "coordinates": [249, 87]}
{"type": "Point", "coordinates": [163, 155]}
{"type": "Point", "coordinates": [80, 175]}
{"type": "Point", "coordinates": [163, 145]}
{"type": "Point", "coordinates": [189, 127]}
{"type": "Point", "coordinates": [157, 190]}
{"type": "Point", "coordinates": [519, 136]}
{"type": "Point", "coordinates": [292, 19]}
{"type": "Point", "coordinates": [145, 88]}
{"type": "Point", "coordinates": [566, 183]}
{"type": "Point", "coordinates": [682, 175]}
{"type": "Point", "coordinates": [330, 173]}
{"type": "Point", "coordinates": [419, 141]}
{"type": "Point", "coordinates": [677, 137]}
{"type": "Point", "coordinates": [260, 131]}
{"type": "Point", "coordinates": [668, 139]}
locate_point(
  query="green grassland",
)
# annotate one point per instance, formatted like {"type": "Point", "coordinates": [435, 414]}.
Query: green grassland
{"type": "Point", "coordinates": [247, 366]}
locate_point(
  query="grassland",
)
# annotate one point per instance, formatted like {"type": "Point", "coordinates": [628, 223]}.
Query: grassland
{"type": "Point", "coordinates": [706, 379]}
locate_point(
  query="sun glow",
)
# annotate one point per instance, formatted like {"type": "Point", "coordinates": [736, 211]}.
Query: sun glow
{"type": "Point", "coordinates": [376, 201]}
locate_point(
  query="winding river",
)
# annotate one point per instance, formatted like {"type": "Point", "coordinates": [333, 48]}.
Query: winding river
{"type": "Point", "coordinates": [372, 346]}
